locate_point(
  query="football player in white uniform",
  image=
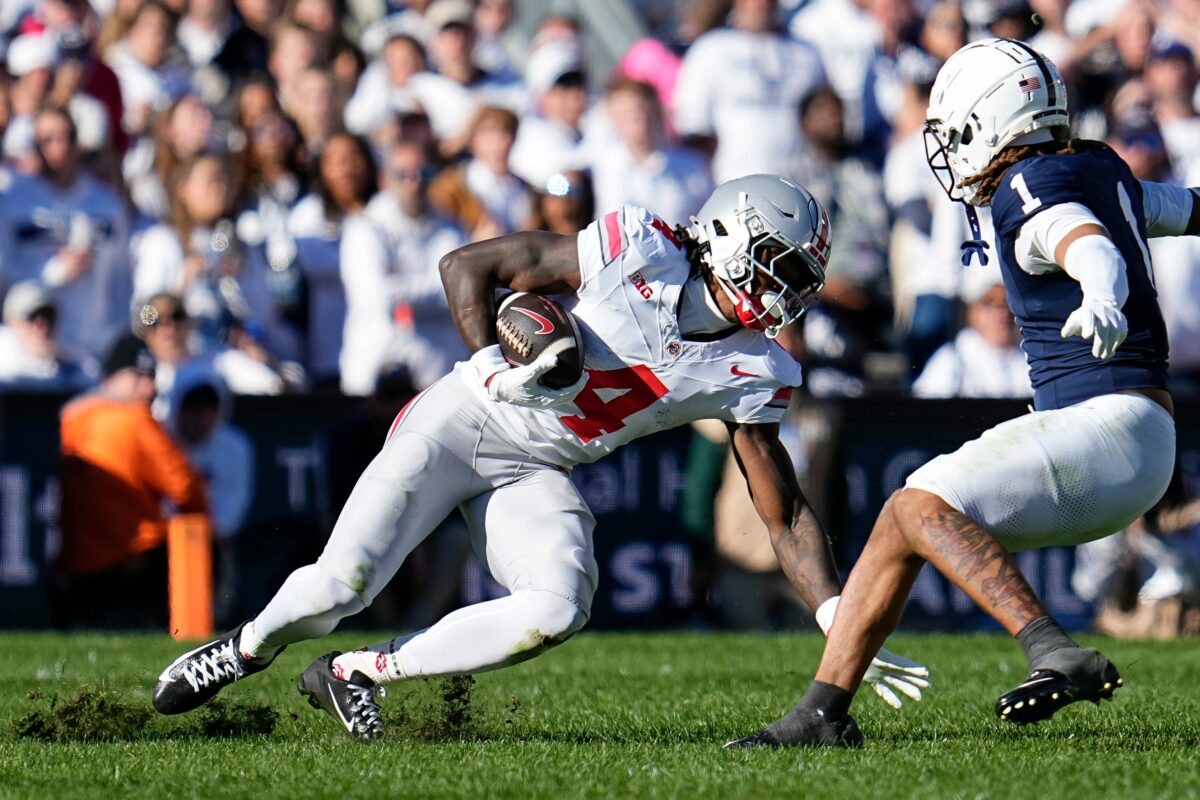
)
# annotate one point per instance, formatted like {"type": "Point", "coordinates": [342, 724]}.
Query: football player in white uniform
{"type": "Point", "coordinates": [677, 326]}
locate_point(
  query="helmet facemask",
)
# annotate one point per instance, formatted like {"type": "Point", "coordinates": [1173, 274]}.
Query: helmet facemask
{"type": "Point", "coordinates": [941, 143]}
{"type": "Point", "coordinates": [770, 279]}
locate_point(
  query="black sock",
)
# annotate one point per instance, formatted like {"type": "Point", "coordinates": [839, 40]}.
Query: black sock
{"type": "Point", "coordinates": [1042, 637]}
{"type": "Point", "coordinates": [833, 700]}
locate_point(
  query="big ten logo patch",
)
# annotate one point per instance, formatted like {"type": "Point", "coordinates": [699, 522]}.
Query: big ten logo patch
{"type": "Point", "coordinates": [639, 283]}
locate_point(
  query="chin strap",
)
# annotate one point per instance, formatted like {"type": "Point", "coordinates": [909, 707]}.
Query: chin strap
{"type": "Point", "coordinates": [975, 246]}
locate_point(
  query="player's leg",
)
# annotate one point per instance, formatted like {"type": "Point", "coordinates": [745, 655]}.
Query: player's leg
{"type": "Point", "coordinates": [407, 490]}
{"type": "Point", "coordinates": [535, 535]}
{"type": "Point", "coordinates": [1052, 478]}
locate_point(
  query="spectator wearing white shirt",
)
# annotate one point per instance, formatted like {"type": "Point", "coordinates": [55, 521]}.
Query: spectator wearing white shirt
{"type": "Point", "coordinates": [548, 141]}
{"type": "Point", "coordinates": [66, 229]}
{"type": "Point", "coordinates": [492, 48]}
{"type": "Point", "coordinates": [346, 179]}
{"type": "Point", "coordinates": [739, 92]}
{"type": "Point", "coordinates": [396, 310]}
{"type": "Point", "coordinates": [399, 81]}
{"type": "Point", "coordinates": [145, 65]}
{"type": "Point", "coordinates": [1171, 77]}
{"type": "Point", "coordinates": [30, 358]}
{"type": "Point", "coordinates": [452, 48]}
{"type": "Point", "coordinates": [481, 194]}
{"type": "Point", "coordinates": [30, 61]}
{"type": "Point", "coordinates": [182, 132]}
{"type": "Point", "coordinates": [640, 167]}
{"type": "Point", "coordinates": [984, 359]}
{"type": "Point", "coordinates": [171, 338]}
{"type": "Point", "coordinates": [202, 256]}
{"type": "Point", "coordinates": [847, 36]}
{"type": "Point", "coordinates": [927, 230]}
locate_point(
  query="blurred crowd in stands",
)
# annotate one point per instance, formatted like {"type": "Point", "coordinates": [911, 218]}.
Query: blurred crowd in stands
{"type": "Point", "coordinates": [259, 191]}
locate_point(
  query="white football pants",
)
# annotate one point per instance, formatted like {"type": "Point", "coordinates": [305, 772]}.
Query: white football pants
{"type": "Point", "coordinates": [528, 524]}
{"type": "Point", "coordinates": [1060, 477]}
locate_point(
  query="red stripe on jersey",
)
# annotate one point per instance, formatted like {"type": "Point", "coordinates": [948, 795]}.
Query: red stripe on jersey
{"type": "Point", "coordinates": [783, 395]}
{"type": "Point", "coordinates": [612, 226]}
{"type": "Point", "coordinates": [403, 413]}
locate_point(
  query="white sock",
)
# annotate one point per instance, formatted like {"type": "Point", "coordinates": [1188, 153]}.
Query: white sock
{"type": "Point", "coordinates": [252, 647]}
{"type": "Point", "coordinates": [376, 662]}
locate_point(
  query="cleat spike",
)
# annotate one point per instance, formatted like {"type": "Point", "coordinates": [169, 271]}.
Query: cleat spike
{"type": "Point", "coordinates": [1019, 705]}
{"type": "Point", "coordinates": [1054, 696]}
{"type": "Point", "coordinates": [1107, 686]}
{"type": "Point", "coordinates": [1120, 681]}
{"type": "Point", "coordinates": [1033, 701]}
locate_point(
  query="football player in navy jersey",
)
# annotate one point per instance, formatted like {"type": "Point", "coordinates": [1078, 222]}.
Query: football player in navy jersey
{"type": "Point", "coordinates": [1070, 224]}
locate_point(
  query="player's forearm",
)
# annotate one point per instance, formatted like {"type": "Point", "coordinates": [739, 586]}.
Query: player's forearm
{"type": "Point", "coordinates": [806, 558]}
{"type": "Point", "coordinates": [471, 293]}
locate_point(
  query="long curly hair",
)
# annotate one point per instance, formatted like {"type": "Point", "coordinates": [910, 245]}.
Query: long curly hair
{"type": "Point", "coordinates": [989, 180]}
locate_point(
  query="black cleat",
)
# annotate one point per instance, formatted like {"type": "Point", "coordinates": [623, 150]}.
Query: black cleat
{"type": "Point", "coordinates": [805, 728]}
{"type": "Point", "coordinates": [351, 702]}
{"type": "Point", "coordinates": [195, 677]}
{"type": "Point", "coordinates": [1068, 676]}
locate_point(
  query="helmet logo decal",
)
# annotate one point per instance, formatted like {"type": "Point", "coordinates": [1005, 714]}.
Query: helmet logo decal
{"type": "Point", "coordinates": [1030, 85]}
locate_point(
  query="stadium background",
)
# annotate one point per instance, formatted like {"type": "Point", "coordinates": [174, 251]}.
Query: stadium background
{"type": "Point", "coordinates": [644, 551]}
{"type": "Point", "coordinates": [863, 358]}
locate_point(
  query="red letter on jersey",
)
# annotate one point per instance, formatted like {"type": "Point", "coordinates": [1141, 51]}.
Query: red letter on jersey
{"type": "Point", "coordinates": [665, 230]}
{"type": "Point", "coordinates": [642, 388]}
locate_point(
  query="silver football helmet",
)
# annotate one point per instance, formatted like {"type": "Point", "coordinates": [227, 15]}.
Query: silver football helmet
{"type": "Point", "coordinates": [767, 242]}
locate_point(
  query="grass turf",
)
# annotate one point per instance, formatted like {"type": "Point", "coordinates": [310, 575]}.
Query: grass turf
{"type": "Point", "coordinates": [606, 716]}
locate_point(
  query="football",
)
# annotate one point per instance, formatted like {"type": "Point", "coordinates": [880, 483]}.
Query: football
{"type": "Point", "coordinates": [529, 324]}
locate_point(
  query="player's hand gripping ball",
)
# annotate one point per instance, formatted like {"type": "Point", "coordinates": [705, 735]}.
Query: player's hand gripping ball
{"type": "Point", "coordinates": [530, 327]}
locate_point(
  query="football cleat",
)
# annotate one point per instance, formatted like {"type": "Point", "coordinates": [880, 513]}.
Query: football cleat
{"type": "Point", "coordinates": [805, 728]}
{"type": "Point", "coordinates": [352, 702]}
{"type": "Point", "coordinates": [195, 677]}
{"type": "Point", "coordinates": [1045, 691]}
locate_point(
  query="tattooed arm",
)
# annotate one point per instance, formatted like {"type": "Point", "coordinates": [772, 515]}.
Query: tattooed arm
{"type": "Point", "coordinates": [796, 534]}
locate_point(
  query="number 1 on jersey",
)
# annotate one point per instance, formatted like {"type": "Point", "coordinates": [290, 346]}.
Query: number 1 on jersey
{"type": "Point", "coordinates": [639, 388]}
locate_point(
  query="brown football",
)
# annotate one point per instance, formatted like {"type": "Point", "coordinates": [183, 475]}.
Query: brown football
{"type": "Point", "coordinates": [527, 324]}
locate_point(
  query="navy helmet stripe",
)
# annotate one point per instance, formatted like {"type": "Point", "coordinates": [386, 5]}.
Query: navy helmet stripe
{"type": "Point", "coordinates": [1051, 90]}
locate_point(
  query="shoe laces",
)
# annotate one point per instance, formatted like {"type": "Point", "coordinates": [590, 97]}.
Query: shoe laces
{"type": "Point", "coordinates": [220, 663]}
{"type": "Point", "coordinates": [364, 709]}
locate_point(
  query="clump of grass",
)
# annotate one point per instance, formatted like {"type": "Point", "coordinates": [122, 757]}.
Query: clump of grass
{"type": "Point", "coordinates": [91, 714]}
{"type": "Point", "coordinates": [435, 711]}
{"type": "Point", "coordinates": [96, 714]}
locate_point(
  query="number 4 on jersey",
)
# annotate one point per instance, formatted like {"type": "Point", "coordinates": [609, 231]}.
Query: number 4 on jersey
{"type": "Point", "coordinates": [634, 388]}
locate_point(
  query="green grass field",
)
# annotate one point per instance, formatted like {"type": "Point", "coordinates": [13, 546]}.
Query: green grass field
{"type": "Point", "coordinates": [610, 716]}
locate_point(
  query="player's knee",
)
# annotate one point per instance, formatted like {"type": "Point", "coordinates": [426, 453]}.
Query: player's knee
{"type": "Point", "coordinates": [910, 506]}
{"type": "Point", "coordinates": [551, 619]}
{"type": "Point", "coordinates": [331, 594]}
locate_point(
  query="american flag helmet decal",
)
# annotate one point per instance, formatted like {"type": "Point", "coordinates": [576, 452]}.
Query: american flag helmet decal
{"type": "Point", "coordinates": [1030, 84]}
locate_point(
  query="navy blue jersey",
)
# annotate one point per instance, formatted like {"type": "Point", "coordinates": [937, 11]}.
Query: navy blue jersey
{"type": "Point", "coordinates": [1064, 371]}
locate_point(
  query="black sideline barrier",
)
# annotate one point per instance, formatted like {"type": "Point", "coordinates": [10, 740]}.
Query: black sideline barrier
{"type": "Point", "coordinates": [645, 556]}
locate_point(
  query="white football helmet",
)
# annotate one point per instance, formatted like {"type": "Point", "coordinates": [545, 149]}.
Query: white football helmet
{"type": "Point", "coordinates": [767, 242]}
{"type": "Point", "coordinates": [987, 95]}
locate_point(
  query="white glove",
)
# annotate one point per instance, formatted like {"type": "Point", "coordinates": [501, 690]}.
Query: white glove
{"type": "Point", "coordinates": [519, 385]}
{"type": "Point", "coordinates": [1100, 320]}
{"type": "Point", "coordinates": [888, 672]}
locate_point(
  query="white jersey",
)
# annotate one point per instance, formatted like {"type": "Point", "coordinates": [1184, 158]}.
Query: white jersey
{"type": "Point", "coordinates": [643, 376]}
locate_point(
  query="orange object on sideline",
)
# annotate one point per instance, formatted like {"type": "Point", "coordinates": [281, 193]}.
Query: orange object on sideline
{"type": "Point", "coordinates": [189, 552]}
